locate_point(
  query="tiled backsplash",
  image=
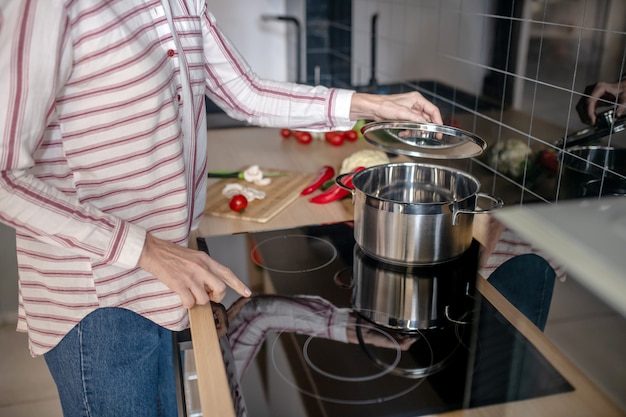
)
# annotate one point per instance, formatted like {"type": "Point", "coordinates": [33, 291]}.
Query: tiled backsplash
{"type": "Point", "coordinates": [329, 42]}
{"type": "Point", "coordinates": [528, 60]}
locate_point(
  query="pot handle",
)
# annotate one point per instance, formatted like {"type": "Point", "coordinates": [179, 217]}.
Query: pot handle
{"type": "Point", "coordinates": [496, 204]}
{"type": "Point", "coordinates": [338, 278]}
{"type": "Point", "coordinates": [455, 321]}
{"type": "Point", "coordinates": [341, 180]}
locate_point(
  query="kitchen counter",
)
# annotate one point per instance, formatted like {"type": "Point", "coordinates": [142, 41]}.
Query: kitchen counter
{"type": "Point", "coordinates": [235, 148]}
{"type": "Point", "coordinates": [231, 149]}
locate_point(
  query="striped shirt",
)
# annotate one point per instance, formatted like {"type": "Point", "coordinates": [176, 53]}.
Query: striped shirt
{"type": "Point", "coordinates": [509, 245]}
{"type": "Point", "coordinates": [104, 140]}
{"type": "Point", "coordinates": [304, 314]}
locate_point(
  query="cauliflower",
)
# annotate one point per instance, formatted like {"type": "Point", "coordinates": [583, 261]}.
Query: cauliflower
{"type": "Point", "coordinates": [509, 156]}
{"type": "Point", "coordinates": [363, 158]}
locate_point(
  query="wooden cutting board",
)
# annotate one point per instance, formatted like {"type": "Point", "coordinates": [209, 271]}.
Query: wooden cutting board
{"type": "Point", "coordinates": [283, 191]}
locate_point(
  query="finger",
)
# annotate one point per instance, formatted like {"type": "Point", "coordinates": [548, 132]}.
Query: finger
{"type": "Point", "coordinates": [239, 287]}
{"type": "Point", "coordinates": [405, 344]}
{"type": "Point", "coordinates": [414, 113]}
{"type": "Point", "coordinates": [186, 297]}
{"type": "Point", "coordinates": [217, 291]}
{"type": "Point", "coordinates": [581, 109]}
{"type": "Point", "coordinates": [433, 113]}
{"type": "Point", "coordinates": [591, 109]}
{"type": "Point", "coordinates": [597, 92]}
{"type": "Point", "coordinates": [201, 292]}
{"type": "Point", "coordinates": [228, 277]}
{"type": "Point", "coordinates": [425, 109]}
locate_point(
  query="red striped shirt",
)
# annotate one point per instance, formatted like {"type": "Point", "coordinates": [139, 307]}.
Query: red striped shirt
{"type": "Point", "coordinates": [510, 245]}
{"type": "Point", "coordinates": [104, 139]}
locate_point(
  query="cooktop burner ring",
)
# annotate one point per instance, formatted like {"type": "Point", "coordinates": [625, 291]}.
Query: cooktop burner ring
{"type": "Point", "coordinates": [481, 373]}
{"type": "Point", "coordinates": [274, 255]}
{"type": "Point", "coordinates": [410, 383]}
{"type": "Point", "coordinates": [387, 368]}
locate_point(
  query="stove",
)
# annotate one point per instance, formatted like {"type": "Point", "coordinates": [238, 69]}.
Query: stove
{"type": "Point", "coordinates": [332, 331]}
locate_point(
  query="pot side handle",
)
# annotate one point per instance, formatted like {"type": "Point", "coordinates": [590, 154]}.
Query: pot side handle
{"type": "Point", "coordinates": [340, 181]}
{"type": "Point", "coordinates": [496, 204]}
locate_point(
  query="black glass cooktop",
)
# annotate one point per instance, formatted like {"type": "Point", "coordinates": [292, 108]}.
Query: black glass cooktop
{"type": "Point", "coordinates": [331, 331]}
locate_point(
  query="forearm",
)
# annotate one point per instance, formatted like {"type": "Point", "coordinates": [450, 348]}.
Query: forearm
{"type": "Point", "coordinates": [35, 209]}
{"type": "Point", "coordinates": [233, 85]}
{"type": "Point", "coordinates": [41, 202]}
{"type": "Point", "coordinates": [275, 104]}
{"type": "Point", "coordinates": [411, 106]}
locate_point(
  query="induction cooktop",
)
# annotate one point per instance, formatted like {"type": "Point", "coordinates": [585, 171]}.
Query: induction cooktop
{"type": "Point", "coordinates": [309, 342]}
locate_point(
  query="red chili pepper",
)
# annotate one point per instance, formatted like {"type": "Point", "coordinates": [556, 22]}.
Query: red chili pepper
{"type": "Point", "coordinates": [323, 175]}
{"type": "Point", "coordinates": [335, 192]}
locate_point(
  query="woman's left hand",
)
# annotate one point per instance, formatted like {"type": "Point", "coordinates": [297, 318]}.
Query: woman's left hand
{"type": "Point", "coordinates": [410, 106]}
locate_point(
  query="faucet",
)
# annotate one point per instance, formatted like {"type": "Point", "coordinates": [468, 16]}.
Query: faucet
{"type": "Point", "coordinates": [294, 20]}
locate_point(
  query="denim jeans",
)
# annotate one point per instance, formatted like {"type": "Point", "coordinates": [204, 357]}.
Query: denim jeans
{"type": "Point", "coordinates": [115, 363]}
{"type": "Point", "coordinates": [527, 281]}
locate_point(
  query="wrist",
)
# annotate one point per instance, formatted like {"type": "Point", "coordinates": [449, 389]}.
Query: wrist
{"type": "Point", "coordinates": [363, 106]}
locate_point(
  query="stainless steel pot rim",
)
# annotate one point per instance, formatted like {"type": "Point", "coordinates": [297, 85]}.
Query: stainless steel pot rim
{"type": "Point", "coordinates": [598, 158]}
{"type": "Point", "coordinates": [404, 263]}
{"type": "Point", "coordinates": [605, 187]}
{"type": "Point", "coordinates": [368, 171]}
{"type": "Point", "coordinates": [417, 270]}
{"type": "Point", "coordinates": [423, 140]}
{"type": "Point", "coordinates": [414, 373]}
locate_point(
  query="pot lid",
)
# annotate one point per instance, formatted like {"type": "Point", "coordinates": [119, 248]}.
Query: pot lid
{"type": "Point", "coordinates": [423, 140]}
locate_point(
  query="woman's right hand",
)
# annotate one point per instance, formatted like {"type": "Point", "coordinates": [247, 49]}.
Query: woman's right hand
{"type": "Point", "coordinates": [193, 275]}
{"type": "Point", "coordinates": [611, 92]}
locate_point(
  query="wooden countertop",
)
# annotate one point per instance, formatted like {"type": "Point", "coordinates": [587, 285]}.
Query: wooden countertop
{"type": "Point", "coordinates": [232, 148]}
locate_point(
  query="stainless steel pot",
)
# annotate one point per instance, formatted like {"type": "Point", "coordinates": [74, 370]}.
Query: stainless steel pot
{"type": "Point", "coordinates": [413, 213]}
{"type": "Point", "coordinates": [592, 171]}
{"type": "Point", "coordinates": [413, 298]}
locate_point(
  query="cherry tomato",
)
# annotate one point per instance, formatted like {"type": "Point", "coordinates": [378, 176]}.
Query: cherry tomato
{"type": "Point", "coordinates": [334, 138]}
{"type": "Point", "coordinates": [285, 133]}
{"type": "Point", "coordinates": [303, 137]}
{"type": "Point", "coordinates": [238, 203]}
{"type": "Point", "coordinates": [351, 135]}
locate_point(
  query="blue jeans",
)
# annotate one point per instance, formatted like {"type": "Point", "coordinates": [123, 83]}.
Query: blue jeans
{"type": "Point", "coordinates": [527, 281]}
{"type": "Point", "coordinates": [115, 363]}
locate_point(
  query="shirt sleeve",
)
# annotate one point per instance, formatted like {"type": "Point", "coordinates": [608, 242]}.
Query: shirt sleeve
{"type": "Point", "coordinates": [307, 315]}
{"type": "Point", "coordinates": [233, 86]}
{"type": "Point", "coordinates": [37, 55]}
{"type": "Point", "coordinates": [509, 245]}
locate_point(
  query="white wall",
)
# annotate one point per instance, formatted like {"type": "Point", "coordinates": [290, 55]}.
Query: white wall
{"type": "Point", "coordinates": [433, 41]}
{"type": "Point", "coordinates": [263, 44]}
{"type": "Point", "coordinates": [425, 40]}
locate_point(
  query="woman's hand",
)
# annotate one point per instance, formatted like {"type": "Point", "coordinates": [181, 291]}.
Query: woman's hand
{"type": "Point", "coordinates": [410, 106]}
{"type": "Point", "coordinates": [376, 338]}
{"type": "Point", "coordinates": [192, 274]}
{"type": "Point", "coordinates": [614, 92]}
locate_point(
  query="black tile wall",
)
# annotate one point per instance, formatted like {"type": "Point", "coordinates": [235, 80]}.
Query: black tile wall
{"type": "Point", "coordinates": [329, 42]}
